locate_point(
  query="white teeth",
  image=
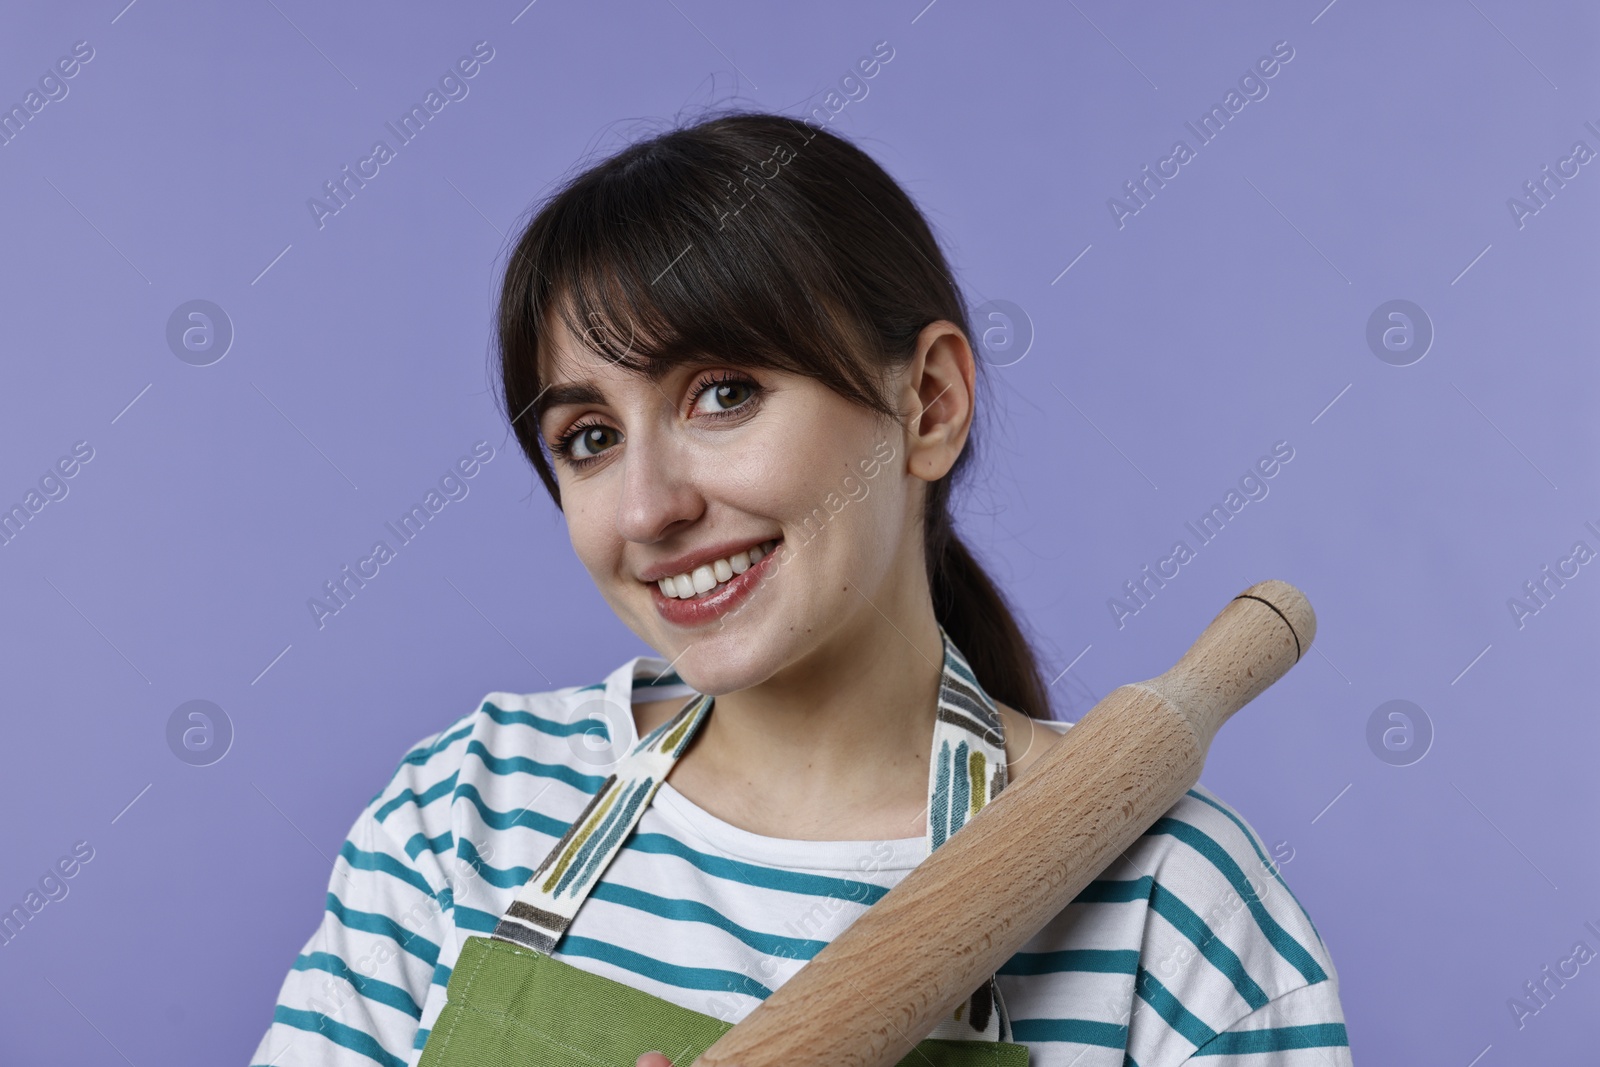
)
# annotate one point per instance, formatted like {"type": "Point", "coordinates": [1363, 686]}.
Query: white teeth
{"type": "Point", "coordinates": [706, 577]}
{"type": "Point", "coordinates": [703, 578]}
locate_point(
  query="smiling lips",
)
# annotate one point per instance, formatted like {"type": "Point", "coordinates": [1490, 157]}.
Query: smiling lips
{"type": "Point", "coordinates": [707, 578]}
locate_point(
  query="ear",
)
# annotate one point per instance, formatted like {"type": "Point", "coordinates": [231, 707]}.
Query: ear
{"type": "Point", "coordinates": [936, 395]}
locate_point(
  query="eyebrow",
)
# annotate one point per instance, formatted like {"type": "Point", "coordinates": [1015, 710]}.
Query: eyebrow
{"type": "Point", "coordinates": [586, 392]}
{"type": "Point", "coordinates": [565, 393]}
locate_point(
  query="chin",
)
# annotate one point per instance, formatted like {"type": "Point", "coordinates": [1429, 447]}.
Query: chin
{"type": "Point", "coordinates": [721, 662]}
{"type": "Point", "coordinates": [745, 654]}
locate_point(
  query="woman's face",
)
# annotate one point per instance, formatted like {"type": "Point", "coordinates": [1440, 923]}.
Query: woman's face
{"type": "Point", "coordinates": [664, 478]}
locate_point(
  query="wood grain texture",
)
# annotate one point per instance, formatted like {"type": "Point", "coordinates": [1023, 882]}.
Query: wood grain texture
{"type": "Point", "coordinates": [878, 988]}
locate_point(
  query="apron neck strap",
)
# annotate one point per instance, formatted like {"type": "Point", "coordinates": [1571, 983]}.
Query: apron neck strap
{"type": "Point", "coordinates": [967, 769]}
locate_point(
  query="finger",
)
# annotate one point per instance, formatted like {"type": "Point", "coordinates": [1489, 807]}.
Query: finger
{"type": "Point", "coordinates": [653, 1059]}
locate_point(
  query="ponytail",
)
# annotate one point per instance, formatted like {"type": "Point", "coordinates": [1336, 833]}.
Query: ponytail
{"type": "Point", "coordinates": [980, 622]}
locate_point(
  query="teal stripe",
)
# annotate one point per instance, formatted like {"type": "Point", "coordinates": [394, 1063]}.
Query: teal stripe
{"type": "Point", "coordinates": [586, 688]}
{"type": "Point", "coordinates": [1162, 901]}
{"type": "Point", "coordinates": [707, 978]}
{"type": "Point", "coordinates": [507, 765]}
{"type": "Point", "coordinates": [369, 923]}
{"type": "Point", "coordinates": [505, 820]}
{"type": "Point", "coordinates": [548, 726]}
{"type": "Point", "coordinates": [1183, 919]}
{"type": "Point", "coordinates": [379, 861]}
{"type": "Point", "coordinates": [1278, 1039]}
{"type": "Point", "coordinates": [960, 788]}
{"type": "Point", "coordinates": [1260, 854]}
{"type": "Point", "coordinates": [421, 1038]}
{"type": "Point", "coordinates": [420, 842]}
{"type": "Point", "coordinates": [962, 669]}
{"type": "Point", "coordinates": [500, 878]}
{"type": "Point", "coordinates": [1115, 891]}
{"type": "Point", "coordinates": [346, 1036]}
{"type": "Point", "coordinates": [667, 680]}
{"type": "Point", "coordinates": [694, 911]}
{"type": "Point", "coordinates": [1212, 947]}
{"type": "Point", "coordinates": [939, 805]}
{"type": "Point", "coordinates": [478, 922]}
{"type": "Point", "coordinates": [423, 799]}
{"type": "Point", "coordinates": [1097, 960]}
{"type": "Point", "coordinates": [370, 988]}
{"type": "Point", "coordinates": [423, 753]}
{"type": "Point", "coordinates": [1170, 1008]}
{"type": "Point", "coordinates": [1079, 1031]}
{"type": "Point", "coordinates": [1287, 946]}
{"type": "Point", "coordinates": [815, 885]}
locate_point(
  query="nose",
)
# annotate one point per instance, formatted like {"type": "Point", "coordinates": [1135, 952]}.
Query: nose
{"type": "Point", "coordinates": [659, 487]}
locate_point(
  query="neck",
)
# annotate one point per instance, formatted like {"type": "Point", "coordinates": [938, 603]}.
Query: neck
{"type": "Point", "coordinates": [840, 739]}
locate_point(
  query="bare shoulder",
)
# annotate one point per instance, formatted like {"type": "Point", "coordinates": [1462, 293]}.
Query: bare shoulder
{"type": "Point", "coordinates": [1026, 739]}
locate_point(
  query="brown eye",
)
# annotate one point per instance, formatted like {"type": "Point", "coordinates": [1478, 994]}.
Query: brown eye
{"type": "Point", "coordinates": [724, 395]}
{"type": "Point", "coordinates": [582, 444]}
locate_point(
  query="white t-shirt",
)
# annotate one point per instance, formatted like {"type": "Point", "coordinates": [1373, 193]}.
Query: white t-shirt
{"type": "Point", "coordinates": [1190, 946]}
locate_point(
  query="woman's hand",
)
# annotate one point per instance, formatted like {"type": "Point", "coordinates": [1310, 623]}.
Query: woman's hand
{"type": "Point", "coordinates": [653, 1059]}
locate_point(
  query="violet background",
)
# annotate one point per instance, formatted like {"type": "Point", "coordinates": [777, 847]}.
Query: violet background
{"type": "Point", "coordinates": [1228, 314]}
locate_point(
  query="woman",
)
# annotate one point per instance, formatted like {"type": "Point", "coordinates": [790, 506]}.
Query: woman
{"type": "Point", "coordinates": [738, 360]}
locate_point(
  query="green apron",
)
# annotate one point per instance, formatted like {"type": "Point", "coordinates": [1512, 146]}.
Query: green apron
{"type": "Point", "coordinates": [509, 1003]}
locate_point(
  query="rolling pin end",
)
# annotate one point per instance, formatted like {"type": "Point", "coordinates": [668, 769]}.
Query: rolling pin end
{"type": "Point", "coordinates": [1292, 606]}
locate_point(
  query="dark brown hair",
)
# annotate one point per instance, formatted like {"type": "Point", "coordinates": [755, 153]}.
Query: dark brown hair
{"type": "Point", "coordinates": [768, 242]}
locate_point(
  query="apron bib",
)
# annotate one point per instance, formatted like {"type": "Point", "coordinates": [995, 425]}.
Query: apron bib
{"type": "Point", "coordinates": [509, 1003]}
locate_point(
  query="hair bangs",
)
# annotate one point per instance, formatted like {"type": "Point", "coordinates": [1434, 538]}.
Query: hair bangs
{"type": "Point", "coordinates": [662, 260]}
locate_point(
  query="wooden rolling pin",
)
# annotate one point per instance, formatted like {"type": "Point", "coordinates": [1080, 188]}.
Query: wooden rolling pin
{"type": "Point", "coordinates": [878, 988]}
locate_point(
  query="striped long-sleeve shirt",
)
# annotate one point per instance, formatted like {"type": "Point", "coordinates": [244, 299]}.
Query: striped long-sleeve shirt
{"type": "Point", "coordinates": [1191, 947]}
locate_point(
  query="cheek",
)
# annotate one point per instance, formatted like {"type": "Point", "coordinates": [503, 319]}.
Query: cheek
{"type": "Point", "coordinates": [855, 524]}
{"type": "Point", "coordinates": [771, 473]}
{"type": "Point", "coordinates": [593, 541]}
{"type": "Point", "coordinates": [879, 512]}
